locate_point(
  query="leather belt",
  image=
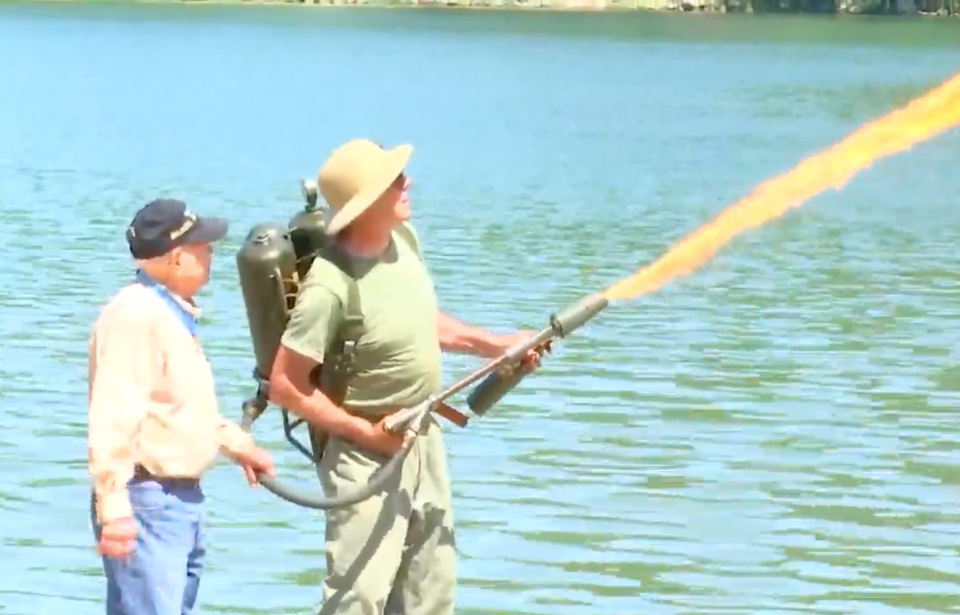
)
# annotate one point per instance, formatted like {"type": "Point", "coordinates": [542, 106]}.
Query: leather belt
{"type": "Point", "coordinates": [141, 473]}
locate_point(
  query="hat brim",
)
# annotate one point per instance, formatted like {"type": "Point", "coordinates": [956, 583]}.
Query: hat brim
{"type": "Point", "coordinates": [207, 230]}
{"type": "Point", "coordinates": [394, 163]}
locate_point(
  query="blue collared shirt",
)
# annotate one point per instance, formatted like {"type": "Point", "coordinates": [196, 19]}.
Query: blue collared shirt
{"type": "Point", "coordinates": [189, 320]}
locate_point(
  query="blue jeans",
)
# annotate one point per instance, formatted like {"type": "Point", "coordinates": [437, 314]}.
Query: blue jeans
{"type": "Point", "coordinates": [162, 575]}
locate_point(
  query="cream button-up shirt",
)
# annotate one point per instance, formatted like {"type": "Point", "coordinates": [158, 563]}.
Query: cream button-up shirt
{"type": "Point", "coordinates": [152, 399]}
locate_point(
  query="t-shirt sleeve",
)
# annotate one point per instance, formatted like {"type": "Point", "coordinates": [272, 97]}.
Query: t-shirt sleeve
{"type": "Point", "coordinates": [313, 323]}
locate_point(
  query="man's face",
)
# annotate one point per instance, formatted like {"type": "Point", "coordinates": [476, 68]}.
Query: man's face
{"type": "Point", "coordinates": [394, 204]}
{"type": "Point", "coordinates": [391, 208]}
{"type": "Point", "coordinates": [192, 263]}
{"type": "Point", "coordinates": [400, 188]}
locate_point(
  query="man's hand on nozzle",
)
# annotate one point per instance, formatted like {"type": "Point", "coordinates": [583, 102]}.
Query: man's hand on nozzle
{"type": "Point", "coordinates": [531, 361]}
{"type": "Point", "coordinates": [256, 461]}
{"type": "Point", "coordinates": [391, 432]}
{"type": "Point", "coordinates": [381, 440]}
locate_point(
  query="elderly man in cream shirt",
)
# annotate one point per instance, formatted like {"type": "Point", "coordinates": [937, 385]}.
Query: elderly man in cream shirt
{"type": "Point", "coordinates": [154, 426]}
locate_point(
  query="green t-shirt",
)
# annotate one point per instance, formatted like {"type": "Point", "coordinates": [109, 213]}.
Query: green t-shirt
{"type": "Point", "coordinates": [397, 360]}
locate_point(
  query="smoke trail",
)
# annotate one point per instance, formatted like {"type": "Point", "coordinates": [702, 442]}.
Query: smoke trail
{"type": "Point", "coordinates": [928, 116]}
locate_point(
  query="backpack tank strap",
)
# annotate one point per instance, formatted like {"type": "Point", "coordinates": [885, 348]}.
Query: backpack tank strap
{"type": "Point", "coordinates": [340, 364]}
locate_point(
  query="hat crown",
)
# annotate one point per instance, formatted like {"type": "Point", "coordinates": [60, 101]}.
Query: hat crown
{"type": "Point", "coordinates": [352, 169]}
{"type": "Point", "coordinates": [161, 217]}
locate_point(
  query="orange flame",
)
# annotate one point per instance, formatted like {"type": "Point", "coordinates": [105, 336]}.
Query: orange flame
{"type": "Point", "coordinates": [933, 113]}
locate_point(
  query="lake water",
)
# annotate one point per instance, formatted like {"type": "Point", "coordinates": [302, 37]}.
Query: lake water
{"type": "Point", "coordinates": [776, 434]}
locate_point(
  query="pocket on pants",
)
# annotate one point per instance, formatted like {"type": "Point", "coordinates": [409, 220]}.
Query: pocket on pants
{"type": "Point", "coordinates": [147, 496]}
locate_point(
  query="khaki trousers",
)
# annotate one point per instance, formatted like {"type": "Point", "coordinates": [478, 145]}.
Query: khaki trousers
{"type": "Point", "coordinates": [395, 553]}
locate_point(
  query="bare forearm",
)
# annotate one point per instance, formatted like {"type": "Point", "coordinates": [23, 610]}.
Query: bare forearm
{"type": "Point", "coordinates": [318, 410]}
{"type": "Point", "coordinates": [461, 338]}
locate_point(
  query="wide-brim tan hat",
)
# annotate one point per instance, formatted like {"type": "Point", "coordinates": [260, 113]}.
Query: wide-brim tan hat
{"type": "Point", "coordinates": [355, 175]}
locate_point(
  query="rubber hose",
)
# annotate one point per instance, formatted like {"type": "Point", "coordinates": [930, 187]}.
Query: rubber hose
{"type": "Point", "coordinates": [307, 500]}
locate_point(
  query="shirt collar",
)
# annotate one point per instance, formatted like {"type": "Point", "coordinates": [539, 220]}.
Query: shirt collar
{"type": "Point", "coordinates": [185, 311]}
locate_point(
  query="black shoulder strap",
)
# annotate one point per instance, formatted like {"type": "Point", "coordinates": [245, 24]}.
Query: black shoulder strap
{"type": "Point", "coordinates": [339, 364]}
{"type": "Point", "coordinates": [341, 360]}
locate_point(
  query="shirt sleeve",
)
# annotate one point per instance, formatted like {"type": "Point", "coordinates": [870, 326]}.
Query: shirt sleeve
{"type": "Point", "coordinates": [313, 323]}
{"type": "Point", "coordinates": [127, 364]}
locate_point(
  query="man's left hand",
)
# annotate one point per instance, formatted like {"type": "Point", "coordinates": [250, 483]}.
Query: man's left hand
{"type": "Point", "coordinates": [532, 360]}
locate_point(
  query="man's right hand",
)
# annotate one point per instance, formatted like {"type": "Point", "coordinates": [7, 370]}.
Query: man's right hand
{"type": "Point", "coordinates": [381, 440]}
{"type": "Point", "coordinates": [118, 538]}
{"type": "Point", "coordinates": [256, 461]}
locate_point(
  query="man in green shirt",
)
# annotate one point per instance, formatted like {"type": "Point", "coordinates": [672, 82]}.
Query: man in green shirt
{"type": "Point", "coordinates": [393, 553]}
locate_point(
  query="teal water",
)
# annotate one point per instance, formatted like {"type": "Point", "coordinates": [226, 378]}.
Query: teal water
{"type": "Point", "coordinates": [776, 434]}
